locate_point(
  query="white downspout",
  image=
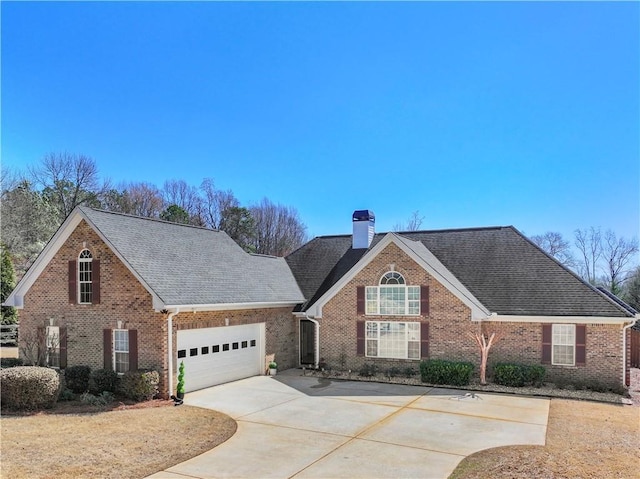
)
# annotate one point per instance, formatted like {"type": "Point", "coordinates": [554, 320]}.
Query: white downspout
{"type": "Point", "coordinates": [170, 347]}
{"type": "Point", "coordinates": [316, 357]}
{"type": "Point", "coordinates": [624, 349]}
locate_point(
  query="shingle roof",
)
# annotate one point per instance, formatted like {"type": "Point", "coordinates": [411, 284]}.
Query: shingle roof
{"type": "Point", "coordinates": [186, 265]}
{"type": "Point", "coordinates": [505, 271]}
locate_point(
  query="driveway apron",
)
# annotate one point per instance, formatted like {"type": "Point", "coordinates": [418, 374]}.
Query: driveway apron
{"type": "Point", "coordinates": [295, 426]}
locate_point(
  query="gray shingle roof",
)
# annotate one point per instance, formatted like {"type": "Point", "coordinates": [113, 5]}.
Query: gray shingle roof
{"type": "Point", "coordinates": [186, 265]}
{"type": "Point", "coordinates": [505, 271]}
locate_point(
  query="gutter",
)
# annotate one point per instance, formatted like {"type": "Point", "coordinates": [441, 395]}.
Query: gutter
{"type": "Point", "coordinates": [170, 347]}
{"type": "Point", "coordinates": [624, 348]}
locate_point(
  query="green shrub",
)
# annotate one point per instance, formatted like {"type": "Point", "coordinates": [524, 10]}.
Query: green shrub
{"type": "Point", "coordinates": [409, 372]}
{"type": "Point", "coordinates": [66, 395]}
{"type": "Point", "coordinates": [77, 378]}
{"type": "Point", "coordinates": [29, 387]}
{"type": "Point", "coordinates": [102, 399]}
{"type": "Point", "coordinates": [518, 375]}
{"type": "Point", "coordinates": [439, 371]}
{"type": "Point", "coordinates": [139, 385]}
{"type": "Point", "coordinates": [10, 362]}
{"type": "Point", "coordinates": [103, 380]}
{"type": "Point", "coordinates": [368, 370]}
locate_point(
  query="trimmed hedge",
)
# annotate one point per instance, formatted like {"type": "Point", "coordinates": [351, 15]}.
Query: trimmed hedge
{"type": "Point", "coordinates": [77, 378]}
{"type": "Point", "coordinates": [29, 387]}
{"type": "Point", "coordinates": [518, 375]}
{"type": "Point", "coordinates": [102, 380]}
{"type": "Point", "coordinates": [10, 362]}
{"type": "Point", "coordinates": [139, 385]}
{"type": "Point", "coordinates": [439, 371]}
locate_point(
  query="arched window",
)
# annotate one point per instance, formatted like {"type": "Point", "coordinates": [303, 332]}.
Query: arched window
{"type": "Point", "coordinates": [393, 296]}
{"type": "Point", "coordinates": [85, 277]}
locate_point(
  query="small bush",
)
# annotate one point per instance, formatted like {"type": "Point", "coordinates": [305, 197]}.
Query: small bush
{"type": "Point", "coordinates": [368, 370]}
{"type": "Point", "coordinates": [66, 395]}
{"type": "Point", "coordinates": [101, 399]}
{"type": "Point", "coordinates": [29, 387]}
{"type": "Point", "coordinates": [518, 375]}
{"type": "Point", "coordinates": [393, 372]}
{"type": "Point", "coordinates": [77, 378]}
{"type": "Point", "coordinates": [439, 371]}
{"type": "Point", "coordinates": [10, 362]}
{"type": "Point", "coordinates": [139, 385]}
{"type": "Point", "coordinates": [409, 372]}
{"type": "Point", "coordinates": [103, 380]}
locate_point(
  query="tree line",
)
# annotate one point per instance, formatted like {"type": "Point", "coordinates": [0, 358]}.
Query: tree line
{"type": "Point", "coordinates": [35, 203]}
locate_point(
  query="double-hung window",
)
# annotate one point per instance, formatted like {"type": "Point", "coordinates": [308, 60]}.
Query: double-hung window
{"type": "Point", "coordinates": [563, 344]}
{"type": "Point", "coordinates": [393, 297]}
{"type": "Point", "coordinates": [390, 339]}
{"type": "Point", "coordinates": [85, 273]}
{"type": "Point", "coordinates": [120, 350]}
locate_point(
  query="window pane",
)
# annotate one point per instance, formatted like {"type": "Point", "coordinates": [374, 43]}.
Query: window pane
{"type": "Point", "coordinates": [392, 300]}
{"type": "Point", "coordinates": [372, 348]}
{"type": "Point", "coordinates": [372, 330]}
{"type": "Point", "coordinates": [563, 355]}
{"type": "Point", "coordinates": [414, 350]}
{"type": "Point", "coordinates": [371, 306]}
{"type": "Point", "coordinates": [122, 362]}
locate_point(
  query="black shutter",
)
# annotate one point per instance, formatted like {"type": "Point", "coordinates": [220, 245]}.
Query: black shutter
{"type": "Point", "coordinates": [73, 286]}
{"type": "Point", "coordinates": [107, 347]}
{"type": "Point", "coordinates": [546, 344]}
{"type": "Point", "coordinates": [360, 338]}
{"type": "Point", "coordinates": [581, 344]}
{"type": "Point", "coordinates": [95, 281]}
{"type": "Point", "coordinates": [424, 300]}
{"type": "Point", "coordinates": [424, 340]}
{"type": "Point", "coordinates": [360, 300]}
{"type": "Point", "coordinates": [133, 350]}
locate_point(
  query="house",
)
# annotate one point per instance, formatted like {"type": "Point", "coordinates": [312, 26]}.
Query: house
{"type": "Point", "coordinates": [122, 292]}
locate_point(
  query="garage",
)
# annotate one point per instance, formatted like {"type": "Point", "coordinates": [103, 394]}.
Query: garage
{"type": "Point", "coordinates": [219, 355]}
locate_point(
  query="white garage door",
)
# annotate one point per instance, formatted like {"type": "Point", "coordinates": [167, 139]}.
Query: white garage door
{"type": "Point", "coordinates": [218, 355]}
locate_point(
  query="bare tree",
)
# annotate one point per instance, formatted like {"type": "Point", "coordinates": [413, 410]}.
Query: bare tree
{"type": "Point", "coordinates": [484, 342]}
{"type": "Point", "coordinates": [213, 205]}
{"type": "Point", "coordinates": [632, 289]}
{"type": "Point", "coordinates": [618, 254]}
{"type": "Point", "coordinates": [555, 245]}
{"type": "Point", "coordinates": [183, 195]}
{"type": "Point", "coordinates": [68, 180]}
{"type": "Point", "coordinates": [279, 229]}
{"type": "Point", "coordinates": [413, 223]}
{"type": "Point", "coordinates": [589, 244]}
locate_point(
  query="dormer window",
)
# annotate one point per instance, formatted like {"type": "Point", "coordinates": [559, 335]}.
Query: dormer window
{"type": "Point", "coordinates": [85, 277]}
{"type": "Point", "coordinates": [393, 297]}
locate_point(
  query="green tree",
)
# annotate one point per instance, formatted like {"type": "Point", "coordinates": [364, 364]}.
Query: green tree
{"type": "Point", "coordinates": [7, 283]}
{"type": "Point", "coordinates": [632, 290]}
{"type": "Point", "coordinates": [238, 223]}
{"type": "Point", "coordinates": [175, 214]}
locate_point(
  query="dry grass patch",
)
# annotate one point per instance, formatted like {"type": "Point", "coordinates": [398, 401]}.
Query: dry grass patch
{"type": "Point", "coordinates": [584, 439]}
{"type": "Point", "coordinates": [127, 443]}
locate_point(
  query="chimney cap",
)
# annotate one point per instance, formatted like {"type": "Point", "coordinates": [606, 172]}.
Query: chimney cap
{"type": "Point", "coordinates": [364, 215]}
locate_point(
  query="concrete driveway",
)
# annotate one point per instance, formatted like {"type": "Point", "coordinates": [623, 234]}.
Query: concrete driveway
{"type": "Point", "coordinates": [306, 427]}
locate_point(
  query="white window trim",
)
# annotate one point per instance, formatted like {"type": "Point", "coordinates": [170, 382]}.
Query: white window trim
{"type": "Point", "coordinates": [554, 343]}
{"type": "Point", "coordinates": [82, 260]}
{"type": "Point", "coordinates": [406, 340]}
{"type": "Point", "coordinates": [115, 351]}
{"type": "Point", "coordinates": [369, 312]}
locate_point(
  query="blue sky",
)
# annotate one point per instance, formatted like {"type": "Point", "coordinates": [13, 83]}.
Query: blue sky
{"type": "Point", "coordinates": [474, 114]}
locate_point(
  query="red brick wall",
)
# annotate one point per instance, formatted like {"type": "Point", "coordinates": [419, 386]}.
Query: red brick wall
{"type": "Point", "coordinates": [124, 299]}
{"type": "Point", "coordinates": [449, 325]}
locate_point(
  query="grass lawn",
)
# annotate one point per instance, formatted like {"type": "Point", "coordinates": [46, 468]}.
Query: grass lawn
{"type": "Point", "coordinates": [128, 442]}
{"type": "Point", "coordinates": [584, 439]}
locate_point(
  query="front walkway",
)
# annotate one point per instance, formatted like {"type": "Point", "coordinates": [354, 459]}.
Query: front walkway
{"type": "Point", "coordinates": [303, 427]}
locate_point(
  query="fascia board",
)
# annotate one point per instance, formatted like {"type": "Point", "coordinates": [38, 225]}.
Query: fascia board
{"type": "Point", "coordinates": [508, 318]}
{"type": "Point", "coordinates": [16, 298]}
{"type": "Point", "coordinates": [194, 308]}
{"type": "Point", "coordinates": [431, 264]}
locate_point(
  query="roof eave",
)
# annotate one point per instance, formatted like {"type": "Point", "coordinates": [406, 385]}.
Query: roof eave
{"type": "Point", "coordinates": [195, 308]}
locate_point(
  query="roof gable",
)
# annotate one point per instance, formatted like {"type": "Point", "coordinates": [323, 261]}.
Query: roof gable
{"type": "Point", "coordinates": [181, 265]}
{"type": "Point", "coordinates": [360, 258]}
